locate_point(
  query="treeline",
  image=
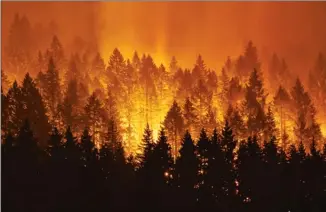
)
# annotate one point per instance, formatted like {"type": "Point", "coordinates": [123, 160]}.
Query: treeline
{"type": "Point", "coordinates": [213, 173]}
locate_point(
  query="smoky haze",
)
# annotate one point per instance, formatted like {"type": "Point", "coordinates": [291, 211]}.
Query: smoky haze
{"type": "Point", "coordinates": [294, 30]}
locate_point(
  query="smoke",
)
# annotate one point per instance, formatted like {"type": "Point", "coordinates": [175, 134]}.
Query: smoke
{"type": "Point", "coordinates": [294, 30]}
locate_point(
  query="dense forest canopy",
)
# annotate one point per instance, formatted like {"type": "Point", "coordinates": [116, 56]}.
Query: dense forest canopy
{"type": "Point", "coordinates": [86, 90]}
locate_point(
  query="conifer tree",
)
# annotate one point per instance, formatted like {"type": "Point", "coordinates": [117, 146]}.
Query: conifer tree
{"type": "Point", "coordinates": [174, 126]}
{"type": "Point", "coordinates": [202, 151]}
{"type": "Point", "coordinates": [187, 171]}
{"type": "Point", "coordinates": [189, 116]}
{"type": "Point", "coordinates": [34, 109]}
{"type": "Point", "coordinates": [52, 93]}
{"type": "Point", "coordinates": [270, 126]}
{"type": "Point", "coordinates": [147, 147]}
{"type": "Point", "coordinates": [94, 118]}
{"type": "Point", "coordinates": [15, 109]}
{"type": "Point", "coordinates": [249, 169]}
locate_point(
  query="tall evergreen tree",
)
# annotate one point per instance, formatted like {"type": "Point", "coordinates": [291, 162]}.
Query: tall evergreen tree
{"type": "Point", "coordinates": [306, 125]}
{"type": "Point", "coordinates": [34, 109]}
{"type": "Point", "coordinates": [189, 116]}
{"type": "Point", "coordinates": [52, 93]}
{"type": "Point", "coordinates": [249, 169]}
{"type": "Point", "coordinates": [174, 126]}
{"type": "Point", "coordinates": [94, 118]}
{"type": "Point", "coordinates": [270, 126]}
{"type": "Point", "coordinates": [186, 172]}
{"type": "Point", "coordinates": [147, 147]}
{"type": "Point", "coordinates": [202, 151]}
{"type": "Point", "coordinates": [271, 173]}
{"type": "Point", "coordinates": [13, 113]}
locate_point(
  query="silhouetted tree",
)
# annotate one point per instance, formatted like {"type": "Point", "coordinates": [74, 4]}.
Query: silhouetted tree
{"type": "Point", "coordinates": [271, 172]}
{"type": "Point", "coordinates": [249, 169]}
{"type": "Point", "coordinates": [202, 151]}
{"type": "Point", "coordinates": [186, 172]}
{"type": "Point", "coordinates": [34, 109]}
{"type": "Point", "coordinates": [174, 126]}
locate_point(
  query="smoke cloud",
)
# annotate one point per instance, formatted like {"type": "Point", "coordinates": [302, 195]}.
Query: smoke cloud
{"type": "Point", "coordinates": [294, 30]}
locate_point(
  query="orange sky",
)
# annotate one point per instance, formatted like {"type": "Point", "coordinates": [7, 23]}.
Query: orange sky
{"type": "Point", "coordinates": [295, 30]}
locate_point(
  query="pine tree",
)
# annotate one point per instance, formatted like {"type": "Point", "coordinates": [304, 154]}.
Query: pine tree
{"type": "Point", "coordinates": [71, 104]}
{"type": "Point", "coordinates": [189, 116]}
{"type": "Point", "coordinates": [201, 98]}
{"type": "Point", "coordinates": [236, 122]}
{"type": "Point", "coordinates": [71, 167]}
{"type": "Point", "coordinates": [282, 102]}
{"type": "Point", "coordinates": [162, 158]}
{"type": "Point", "coordinates": [89, 171]}
{"type": "Point", "coordinates": [116, 63]}
{"type": "Point", "coordinates": [57, 53]}
{"type": "Point", "coordinates": [200, 72]}
{"type": "Point", "coordinates": [211, 119]}
{"type": "Point", "coordinates": [34, 109]}
{"type": "Point", "coordinates": [52, 93]}
{"type": "Point", "coordinates": [88, 149]}
{"type": "Point", "coordinates": [147, 147]}
{"type": "Point", "coordinates": [216, 172]}
{"type": "Point", "coordinates": [254, 104]}
{"type": "Point", "coordinates": [113, 137]}
{"type": "Point", "coordinates": [94, 118]}
{"type": "Point", "coordinates": [251, 58]}
{"type": "Point", "coordinates": [306, 126]}
{"type": "Point", "coordinates": [270, 126]}
{"type": "Point", "coordinates": [249, 170]}
{"type": "Point", "coordinates": [202, 148]}
{"type": "Point", "coordinates": [297, 178]}
{"type": "Point", "coordinates": [212, 81]}
{"type": "Point", "coordinates": [202, 151]}
{"type": "Point", "coordinates": [15, 109]}
{"type": "Point", "coordinates": [228, 145]}
{"type": "Point", "coordinates": [256, 85]}
{"type": "Point", "coordinates": [271, 173]}
{"type": "Point", "coordinates": [56, 163]}
{"type": "Point", "coordinates": [136, 61]}
{"type": "Point", "coordinates": [110, 105]}
{"type": "Point", "coordinates": [186, 172]}
{"type": "Point", "coordinates": [174, 125]}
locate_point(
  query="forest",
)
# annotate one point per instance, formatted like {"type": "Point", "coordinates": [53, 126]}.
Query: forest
{"type": "Point", "coordinates": [82, 132]}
